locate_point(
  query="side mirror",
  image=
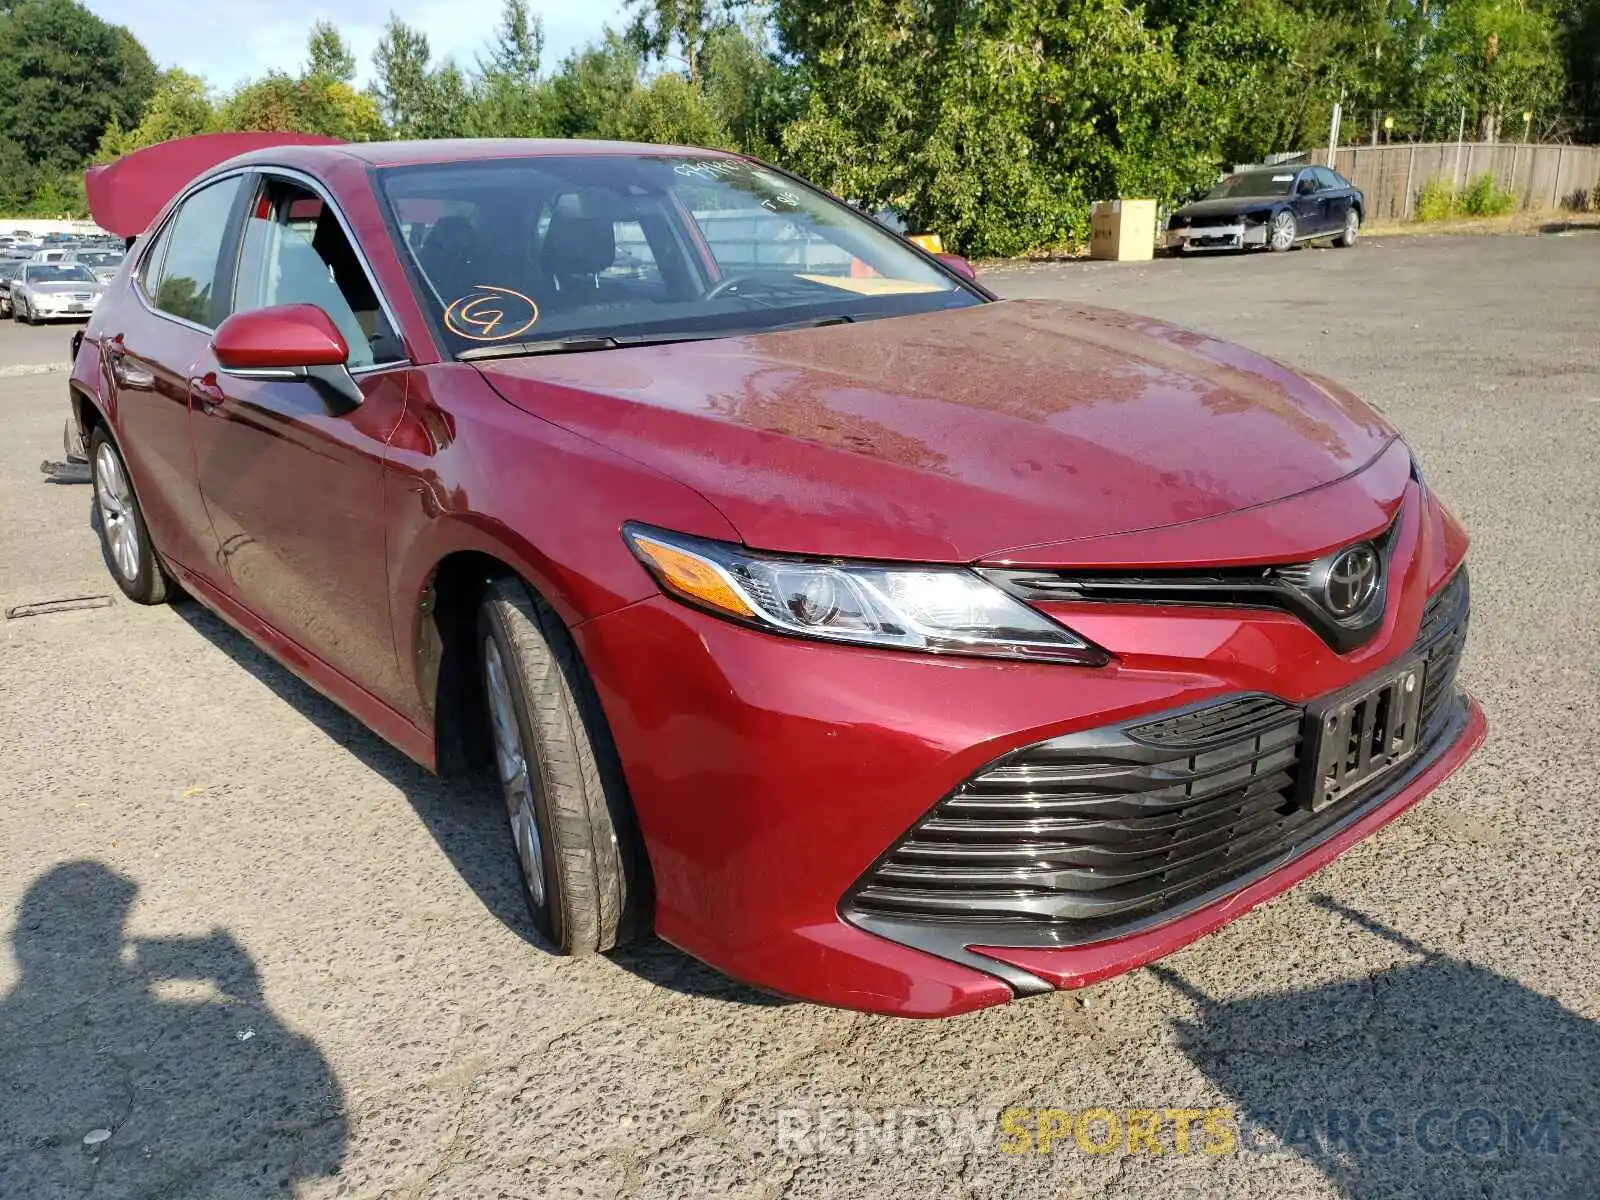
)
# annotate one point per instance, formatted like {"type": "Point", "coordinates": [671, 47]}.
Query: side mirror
{"type": "Point", "coordinates": [288, 341]}
{"type": "Point", "coordinates": [281, 341]}
{"type": "Point", "coordinates": [959, 265]}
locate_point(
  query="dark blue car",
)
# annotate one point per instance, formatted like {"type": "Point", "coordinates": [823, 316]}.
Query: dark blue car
{"type": "Point", "coordinates": [1271, 207]}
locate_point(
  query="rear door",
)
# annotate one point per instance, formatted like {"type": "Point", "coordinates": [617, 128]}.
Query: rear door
{"type": "Point", "coordinates": [292, 473]}
{"type": "Point", "coordinates": [1337, 197]}
{"type": "Point", "coordinates": [149, 347]}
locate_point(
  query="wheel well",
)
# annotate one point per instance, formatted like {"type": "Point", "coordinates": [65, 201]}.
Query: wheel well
{"type": "Point", "coordinates": [448, 666]}
{"type": "Point", "coordinates": [88, 414]}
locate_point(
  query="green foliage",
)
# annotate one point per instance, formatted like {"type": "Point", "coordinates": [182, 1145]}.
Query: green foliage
{"type": "Point", "coordinates": [328, 54]}
{"type": "Point", "coordinates": [748, 90]}
{"type": "Point", "coordinates": [402, 89]}
{"type": "Point", "coordinates": [1436, 201]}
{"type": "Point", "coordinates": [670, 110]}
{"type": "Point", "coordinates": [1483, 197]}
{"type": "Point", "coordinates": [312, 104]}
{"type": "Point", "coordinates": [507, 100]}
{"type": "Point", "coordinates": [993, 122]}
{"type": "Point", "coordinates": [180, 107]}
{"type": "Point", "coordinates": [65, 75]}
{"type": "Point", "coordinates": [586, 94]}
{"type": "Point", "coordinates": [676, 29]}
{"type": "Point", "coordinates": [999, 128]}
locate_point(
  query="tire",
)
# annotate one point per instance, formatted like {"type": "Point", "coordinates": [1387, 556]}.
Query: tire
{"type": "Point", "coordinates": [124, 540]}
{"type": "Point", "coordinates": [1351, 231]}
{"type": "Point", "coordinates": [572, 829]}
{"type": "Point", "coordinates": [1282, 232]}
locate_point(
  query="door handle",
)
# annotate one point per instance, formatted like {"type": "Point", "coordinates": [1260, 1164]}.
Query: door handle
{"type": "Point", "coordinates": [123, 375]}
{"type": "Point", "coordinates": [206, 392]}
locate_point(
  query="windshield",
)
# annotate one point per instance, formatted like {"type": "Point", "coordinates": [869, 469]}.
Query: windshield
{"type": "Point", "coordinates": [57, 273]}
{"type": "Point", "coordinates": [99, 258]}
{"type": "Point", "coordinates": [511, 251]}
{"type": "Point", "coordinates": [1253, 183]}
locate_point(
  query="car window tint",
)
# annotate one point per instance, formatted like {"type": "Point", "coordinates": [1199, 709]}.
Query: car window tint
{"type": "Point", "coordinates": [296, 252]}
{"type": "Point", "coordinates": [150, 267]}
{"type": "Point", "coordinates": [193, 243]}
{"type": "Point", "coordinates": [1328, 179]}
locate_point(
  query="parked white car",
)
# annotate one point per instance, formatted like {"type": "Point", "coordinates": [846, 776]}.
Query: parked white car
{"type": "Point", "coordinates": [54, 291]}
{"type": "Point", "coordinates": [49, 256]}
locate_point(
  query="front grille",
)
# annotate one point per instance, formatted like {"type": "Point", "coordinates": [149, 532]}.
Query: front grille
{"type": "Point", "coordinates": [1078, 837]}
{"type": "Point", "coordinates": [1291, 587]}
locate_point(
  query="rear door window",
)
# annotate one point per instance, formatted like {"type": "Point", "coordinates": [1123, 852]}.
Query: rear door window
{"type": "Point", "coordinates": [181, 271]}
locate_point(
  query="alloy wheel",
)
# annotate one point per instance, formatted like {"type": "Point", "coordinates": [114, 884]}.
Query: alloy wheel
{"type": "Point", "coordinates": [1282, 231]}
{"type": "Point", "coordinates": [117, 520]}
{"type": "Point", "coordinates": [1352, 226]}
{"type": "Point", "coordinates": [512, 762]}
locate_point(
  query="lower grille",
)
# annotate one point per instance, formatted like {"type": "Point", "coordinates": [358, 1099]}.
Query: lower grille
{"type": "Point", "coordinates": [1078, 837]}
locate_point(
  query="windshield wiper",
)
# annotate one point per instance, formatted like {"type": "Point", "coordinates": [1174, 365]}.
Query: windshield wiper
{"type": "Point", "coordinates": [577, 345]}
{"type": "Point", "coordinates": [580, 345]}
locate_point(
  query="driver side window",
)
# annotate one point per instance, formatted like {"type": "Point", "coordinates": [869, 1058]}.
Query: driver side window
{"type": "Point", "coordinates": [296, 252]}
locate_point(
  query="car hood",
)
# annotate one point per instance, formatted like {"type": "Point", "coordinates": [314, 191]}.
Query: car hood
{"type": "Point", "coordinates": [955, 436]}
{"type": "Point", "coordinates": [1228, 208]}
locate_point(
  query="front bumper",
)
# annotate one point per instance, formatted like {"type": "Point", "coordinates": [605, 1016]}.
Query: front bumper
{"type": "Point", "coordinates": [771, 775]}
{"type": "Point", "coordinates": [1238, 236]}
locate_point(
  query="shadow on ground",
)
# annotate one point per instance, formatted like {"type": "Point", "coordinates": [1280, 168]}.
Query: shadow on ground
{"type": "Point", "coordinates": [464, 816]}
{"type": "Point", "coordinates": [1433, 1079]}
{"type": "Point", "coordinates": [149, 1067]}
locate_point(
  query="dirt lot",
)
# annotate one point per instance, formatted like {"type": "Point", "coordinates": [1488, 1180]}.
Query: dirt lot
{"type": "Point", "coordinates": [268, 956]}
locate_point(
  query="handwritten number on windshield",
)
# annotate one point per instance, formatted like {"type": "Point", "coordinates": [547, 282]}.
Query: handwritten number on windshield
{"type": "Point", "coordinates": [489, 313]}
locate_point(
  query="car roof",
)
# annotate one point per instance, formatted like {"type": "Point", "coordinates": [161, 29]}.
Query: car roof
{"type": "Point", "coordinates": [445, 150]}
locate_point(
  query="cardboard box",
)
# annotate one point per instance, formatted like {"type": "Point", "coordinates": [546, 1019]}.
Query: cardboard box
{"type": "Point", "coordinates": [1122, 230]}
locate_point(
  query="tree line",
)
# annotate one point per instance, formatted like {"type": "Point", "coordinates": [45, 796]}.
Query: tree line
{"type": "Point", "coordinates": [995, 122]}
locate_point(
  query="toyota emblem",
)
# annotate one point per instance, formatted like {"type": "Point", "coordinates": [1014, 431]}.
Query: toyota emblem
{"type": "Point", "coordinates": [1352, 580]}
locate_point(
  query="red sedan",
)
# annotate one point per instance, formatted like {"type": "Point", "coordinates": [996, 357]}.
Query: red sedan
{"type": "Point", "coordinates": [877, 642]}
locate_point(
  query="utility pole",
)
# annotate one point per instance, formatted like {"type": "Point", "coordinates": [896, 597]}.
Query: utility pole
{"type": "Point", "coordinates": [1461, 136]}
{"type": "Point", "coordinates": [1333, 131]}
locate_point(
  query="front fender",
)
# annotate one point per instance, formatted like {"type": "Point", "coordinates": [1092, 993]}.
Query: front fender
{"type": "Point", "coordinates": [469, 473]}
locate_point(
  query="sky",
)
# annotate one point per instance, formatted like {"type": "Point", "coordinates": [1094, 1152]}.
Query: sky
{"type": "Point", "coordinates": [228, 41]}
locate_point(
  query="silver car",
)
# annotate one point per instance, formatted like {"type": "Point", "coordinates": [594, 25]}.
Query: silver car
{"type": "Point", "coordinates": [103, 263]}
{"type": "Point", "coordinates": [54, 291]}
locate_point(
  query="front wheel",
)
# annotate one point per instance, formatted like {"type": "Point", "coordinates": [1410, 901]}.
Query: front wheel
{"type": "Point", "coordinates": [1282, 232]}
{"type": "Point", "coordinates": [1352, 229]}
{"type": "Point", "coordinates": [571, 822]}
{"type": "Point", "coordinates": [124, 539]}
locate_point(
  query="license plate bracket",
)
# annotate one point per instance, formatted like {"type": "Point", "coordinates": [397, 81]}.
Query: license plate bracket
{"type": "Point", "coordinates": [1361, 734]}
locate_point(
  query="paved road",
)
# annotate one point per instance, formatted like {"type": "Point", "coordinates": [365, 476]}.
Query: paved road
{"type": "Point", "coordinates": [23, 347]}
{"type": "Point", "coordinates": [270, 956]}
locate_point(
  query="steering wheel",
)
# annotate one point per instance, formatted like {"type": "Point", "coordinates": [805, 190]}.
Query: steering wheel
{"type": "Point", "coordinates": [730, 284]}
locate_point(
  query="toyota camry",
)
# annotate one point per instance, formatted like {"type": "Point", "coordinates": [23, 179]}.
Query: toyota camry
{"type": "Point", "coordinates": [878, 642]}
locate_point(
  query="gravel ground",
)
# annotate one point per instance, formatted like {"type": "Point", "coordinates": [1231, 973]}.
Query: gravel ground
{"type": "Point", "coordinates": [255, 953]}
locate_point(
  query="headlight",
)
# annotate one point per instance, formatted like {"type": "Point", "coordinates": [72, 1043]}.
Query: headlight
{"type": "Point", "coordinates": [945, 610]}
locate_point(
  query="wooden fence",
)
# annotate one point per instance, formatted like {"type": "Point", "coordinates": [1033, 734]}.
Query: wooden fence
{"type": "Point", "coordinates": [1542, 176]}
